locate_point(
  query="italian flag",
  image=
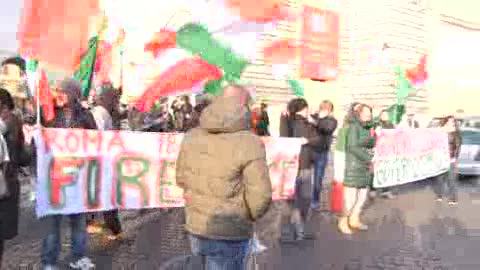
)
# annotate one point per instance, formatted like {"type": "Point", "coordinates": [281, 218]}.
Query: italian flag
{"type": "Point", "coordinates": [84, 72]}
{"type": "Point", "coordinates": [281, 54]}
{"type": "Point", "coordinates": [408, 83]}
{"type": "Point", "coordinates": [204, 52]}
{"type": "Point", "coordinates": [40, 89]}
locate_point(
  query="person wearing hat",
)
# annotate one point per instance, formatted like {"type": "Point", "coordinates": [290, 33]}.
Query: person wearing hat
{"type": "Point", "coordinates": [69, 113]}
{"type": "Point", "coordinates": [104, 102]}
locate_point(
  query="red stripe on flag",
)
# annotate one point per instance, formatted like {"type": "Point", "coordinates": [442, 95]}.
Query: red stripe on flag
{"type": "Point", "coordinates": [184, 75]}
{"type": "Point", "coordinates": [45, 97]}
{"type": "Point", "coordinates": [103, 63]}
{"type": "Point", "coordinates": [161, 41]}
{"type": "Point", "coordinates": [56, 31]}
{"type": "Point", "coordinates": [281, 51]}
{"type": "Point", "coordinates": [418, 74]}
{"type": "Point", "coordinates": [260, 11]}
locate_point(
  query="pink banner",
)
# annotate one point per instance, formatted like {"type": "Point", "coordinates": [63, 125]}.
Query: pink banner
{"type": "Point", "coordinates": [89, 170]}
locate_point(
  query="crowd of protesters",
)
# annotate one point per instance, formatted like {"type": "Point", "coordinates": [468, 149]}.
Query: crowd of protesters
{"type": "Point", "coordinates": [225, 192]}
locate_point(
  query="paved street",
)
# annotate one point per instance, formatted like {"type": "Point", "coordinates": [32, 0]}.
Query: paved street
{"type": "Point", "coordinates": [410, 232]}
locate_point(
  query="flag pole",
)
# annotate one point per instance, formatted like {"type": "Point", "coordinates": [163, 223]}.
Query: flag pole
{"type": "Point", "coordinates": [37, 93]}
{"type": "Point", "coordinates": [121, 68]}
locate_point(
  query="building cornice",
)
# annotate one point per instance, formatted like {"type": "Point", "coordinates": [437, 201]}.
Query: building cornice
{"type": "Point", "coordinates": [472, 26]}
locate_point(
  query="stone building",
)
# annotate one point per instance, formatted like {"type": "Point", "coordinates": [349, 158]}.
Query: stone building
{"type": "Point", "coordinates": [374, 37]}
{"type": "Point", "coordinates": [377, 35]}
{"type": "Point", "coordinates": [455, 66]}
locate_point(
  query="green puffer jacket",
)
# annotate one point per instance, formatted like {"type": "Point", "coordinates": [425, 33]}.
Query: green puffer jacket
{"type": "Point", "coordinates": [358, 153]}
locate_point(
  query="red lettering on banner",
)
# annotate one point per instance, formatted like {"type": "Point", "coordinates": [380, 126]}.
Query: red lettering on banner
{"type": "Point", "coordinates": [93, 183]}
{"type": "Point", "coordinates": [51, 141]}
{"type": "Point", "coordinates": [130, 172]}
{"type": "Point", "coordinates": [91, 137]}
{"type": "Point", "coordinates": [408, 143]}
{"type": "Point", "coordinates": [116, 141]}
{"type": "Point", "coordinates": [281, 168]}
{"type": "Point", "coordinates": [59, 178]}
{"type": "Point", "coordinates": [72, 142]}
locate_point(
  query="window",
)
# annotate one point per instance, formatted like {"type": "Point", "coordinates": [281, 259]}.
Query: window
{"type": "Point", "coordinates": [471, 138]}
{"type": "Point", "coordinates": [319, 23]}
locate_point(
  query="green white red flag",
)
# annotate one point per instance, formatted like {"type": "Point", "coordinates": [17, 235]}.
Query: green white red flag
{"type": "Point", "coordinates": [40, 89]}
{"type": "Point", "coordinates": [217, 48]}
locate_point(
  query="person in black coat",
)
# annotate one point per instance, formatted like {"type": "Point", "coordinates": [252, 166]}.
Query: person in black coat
{"type": "Point", "coordinates": [296, 124]}
{"type": "Point", "coordinates": [325, 125]}
{"type": "Point", "coordinates": [14, 138]}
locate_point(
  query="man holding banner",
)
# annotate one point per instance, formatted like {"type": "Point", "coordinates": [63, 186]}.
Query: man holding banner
{"type": "Point", "coordinates": [104, 104]}
{"type": "Point", "coordinates": [70, 114]}
{"type": "Point", "coordinates": [445, 183]}
{"type": "Point", "coordinates": [222, 168]}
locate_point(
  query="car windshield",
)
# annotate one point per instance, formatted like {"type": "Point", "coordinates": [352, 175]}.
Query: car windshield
{"type": "Point", "coordinates": [471, 137]}
{"type": "Point", "coordinates": [475, 123]}
{"type": "Point", "coordinates": [436, 122]}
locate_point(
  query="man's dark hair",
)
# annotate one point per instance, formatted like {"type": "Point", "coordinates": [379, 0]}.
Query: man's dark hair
{"type": "Point", "coordinates": [444, 120]}
{"type": "Point", "coordinates": [16, 60]}
{"type": "Point", "coordinates": [296, 105]}
{"type": "Point", "coordinates": [6, 100]}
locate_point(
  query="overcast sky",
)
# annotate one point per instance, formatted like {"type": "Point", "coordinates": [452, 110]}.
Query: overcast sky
{"type": "Point", "coordinates": [11, 9]}
{"type": "Point", "coordinates": [9, 16]}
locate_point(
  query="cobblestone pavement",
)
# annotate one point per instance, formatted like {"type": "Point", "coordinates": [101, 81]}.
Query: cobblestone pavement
{"type": "Point", "coordinates": [410, 232]}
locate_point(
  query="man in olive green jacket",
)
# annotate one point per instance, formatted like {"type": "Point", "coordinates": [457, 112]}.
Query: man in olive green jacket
{"type": "Point", "coordinates": [223, 171]}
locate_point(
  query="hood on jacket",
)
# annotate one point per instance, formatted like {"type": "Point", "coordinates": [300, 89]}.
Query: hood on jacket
{"type": "Point", "coordinates": [350, 118]}
{"type": "Point", "coordinates": [224, 115]}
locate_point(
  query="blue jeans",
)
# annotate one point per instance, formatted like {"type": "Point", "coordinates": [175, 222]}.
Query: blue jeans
{"type": "Point", "coordinates": [52, 243]}
{"type": "Point", "coordinates": [221, 254]}
{"type": "Point", "coordinates": [320, 163]}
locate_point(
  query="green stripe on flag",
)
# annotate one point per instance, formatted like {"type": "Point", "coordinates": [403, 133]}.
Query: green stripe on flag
{"type": "Point", "coordinates": [214, 87]}
{"type": "Point", "coordinates": [404, 87]}
{"type": "Point", "coordinates": [297, 87]}
{"type": "Point", "coordinates": [84, 73]}
{"type": "Point", "coordinates": [32, 66]}
{"type": "Point", "coordinates": [395, 113]}
{"type": "Point", "coordinates": [197, 40]}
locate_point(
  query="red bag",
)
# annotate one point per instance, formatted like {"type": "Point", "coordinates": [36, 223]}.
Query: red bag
{"type": "Point", "coordinates": [336, 197]}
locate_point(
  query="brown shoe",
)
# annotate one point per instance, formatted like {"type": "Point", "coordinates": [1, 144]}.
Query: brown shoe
{"type": "Point", "coordinates": [94, 229]}
{"type": "Point", "coordinates": [343, 226]}
{"type": "Point", "coordinates": [115, 237]}
{"type": "Point", "coordinates": [354, 223]}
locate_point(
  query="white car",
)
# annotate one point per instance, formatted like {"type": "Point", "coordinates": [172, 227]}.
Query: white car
{"type": "Point", "coordinates": [469, 159]}
{"type": "Point", "coordinates": [471, 123]}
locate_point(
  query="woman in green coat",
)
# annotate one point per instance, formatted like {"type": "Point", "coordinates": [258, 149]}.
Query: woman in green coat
{"type": "Point", "coordinates": [359, 146]}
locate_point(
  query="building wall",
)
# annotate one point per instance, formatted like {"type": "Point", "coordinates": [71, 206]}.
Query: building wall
{"type": "Point", "coordinates": [455, 82]}
{"type": "Point", "coordinates": [368, 71]}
